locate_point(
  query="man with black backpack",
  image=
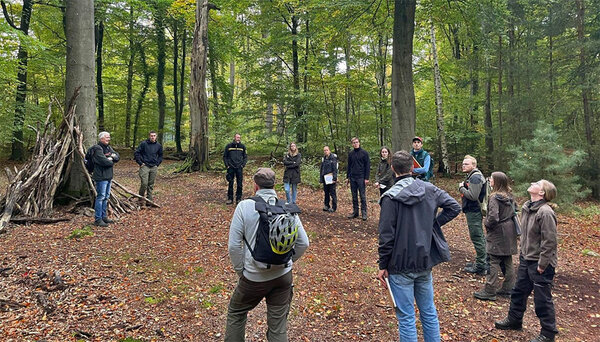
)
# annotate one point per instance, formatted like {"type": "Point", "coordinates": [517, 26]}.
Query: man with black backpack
{"type": "Point", "coordinates": [473, 191]}
{"type": "Point", "coordinates": [103, 158]}
{"type": "Point", "coordinates": [265, 238]}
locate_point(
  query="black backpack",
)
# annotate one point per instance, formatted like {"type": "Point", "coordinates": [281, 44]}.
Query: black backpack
{"type": "Point", "coordinates": [276, 234]}
{"type": "Point", "coordinates": [88, 160]}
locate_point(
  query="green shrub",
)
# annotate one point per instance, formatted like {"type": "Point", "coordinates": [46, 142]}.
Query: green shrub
{"type": "Point", "coordinates": [81, 233]}
{"type": "Point", "coordinates": [543, 158]}
{"type": "Point", "coordinates": [310, 173]}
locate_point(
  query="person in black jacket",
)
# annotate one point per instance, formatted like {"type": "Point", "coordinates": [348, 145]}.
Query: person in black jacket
{"type": "Point", "coordinates": [148, 155]}
{"type": "Point", "coordinates": [235, 159]}
{"type": "Point", "coordinates": [411, 242]}
{"type": "Point", "coordinates": [359, 169]}
{"type": "Point", "coordinates": [328, 176]}
{"type": "Point", "coordinates": [104, 158]}
{"type": "Point", "coordinates": [384, 179]}
{"type": "Point", "coordinates": [291, 176]}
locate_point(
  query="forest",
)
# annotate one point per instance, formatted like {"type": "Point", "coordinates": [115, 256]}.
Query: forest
{"type": "Point", "coordinates": [472, 77]}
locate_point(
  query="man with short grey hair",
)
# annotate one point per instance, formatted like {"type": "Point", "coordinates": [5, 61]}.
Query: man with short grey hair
{"type": "Point", "coordinates": [104, 158]}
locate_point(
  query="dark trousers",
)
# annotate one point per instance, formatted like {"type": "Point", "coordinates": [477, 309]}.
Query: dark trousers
{"type": "Point", "coordinates": [358, 186]}
{"type": "Point", "coordinates": [278, 293]}
{"type": "Point", "coordinates": [330, 192]}
{"type": "Point", "coordinates": [238, 175]}
{"type": "Point", "coordinates": [529, 279]}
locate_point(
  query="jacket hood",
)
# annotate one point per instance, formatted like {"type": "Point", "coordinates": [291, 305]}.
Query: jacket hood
{"type": "Point", "coordinates": [407, 191]}
{"type": "Point", "coordinates": [533, 206]}
{"type": "Point", "coordinates": [503, 199]}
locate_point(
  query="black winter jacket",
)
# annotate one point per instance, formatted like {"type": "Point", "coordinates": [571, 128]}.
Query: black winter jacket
{"type": "Point", "coordinates": [292, 168]}
{"type": "Point", "coordinates": [103, 167]}
{"type": "Point", "coordinates": [235, 155]}
{"type": "Point", "coordinates": [149, 153]}
{"type": "Point", "coordinates": [410, 234]}
{"type": "Point", "coordinates": [328, 165]}
{"type": "Point", "coordinates": [359, 164]}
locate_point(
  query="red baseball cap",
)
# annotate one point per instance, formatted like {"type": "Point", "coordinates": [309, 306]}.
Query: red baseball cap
{"type": "Point", "coordinates": [418, 138]}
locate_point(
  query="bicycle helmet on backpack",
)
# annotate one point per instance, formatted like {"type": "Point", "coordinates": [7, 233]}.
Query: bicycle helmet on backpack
{"type": "Point", "coordinates": [283, 233]}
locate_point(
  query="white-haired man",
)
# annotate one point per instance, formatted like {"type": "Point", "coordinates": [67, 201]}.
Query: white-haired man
{"type": "Point", "coordinates": [104, 158]}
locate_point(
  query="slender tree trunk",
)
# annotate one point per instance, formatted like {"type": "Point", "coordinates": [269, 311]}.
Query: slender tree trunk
{"type": "Point", "coordinates": [585, 87]}
{"type": "Point", "coordinates": [18, 151]}
{"type": "Point", "coordinates": [213, 79]}
{"type": "Point", "coordinates": [500, 73]}
{"type": "Point", "coordinates": [142, 96]}
{"type": "Point", "coordinates": [159, 24]}
{"type": "Point", "coordinates": [489, 132]}
{"type": "Point", "coordinates": [403, 92]}
{"type": "Point", "coordinates": [198, 100]}
{"type": "Point", "coordinates": [179, 110]}
{"type": "Point", "coordinates": [296, 77]}
{"type": "Point", "coordinates": [129, 90]}
{"type": "Point", "coordinates": [231, 86]}
{"type": "Point", "coordinates": [99, 40]}
{"type": "Point", "coordinates": [79, 25]}
{"type": "Point", "coordinates": [439, 105]}
{"type": "Point", "coordinates": [176, 40]}
{"type": "Point", "coordinates": [474, 71]}
{"type": "Point", "coordinates": [380, 77]}
{"type": "Point", "coordinates": [347, 90]}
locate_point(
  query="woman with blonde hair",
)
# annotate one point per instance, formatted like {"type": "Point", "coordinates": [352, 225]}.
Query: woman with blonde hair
{"type": "Point", "coordinates": [291, 175]}
{"type": "Point", "coordinates": [501, 238]}
{"type": "Point", "coordinates": [537, 262]}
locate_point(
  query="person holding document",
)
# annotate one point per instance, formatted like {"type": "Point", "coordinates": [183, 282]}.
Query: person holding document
{"type": "Point", "coordinates": [411, 242]}
{"type": "Point", "coordinates": [328, 176]}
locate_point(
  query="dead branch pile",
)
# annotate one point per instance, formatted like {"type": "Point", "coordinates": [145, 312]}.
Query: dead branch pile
{"type": "Point", "coordinates": [32, 190]}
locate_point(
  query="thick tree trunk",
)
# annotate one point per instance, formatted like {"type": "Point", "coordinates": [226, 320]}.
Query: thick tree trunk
{"type": "Point", "coordinates": [18, 150]}
{"type": "Point", "coordinates": [159, 24]}
{"type": "Point", "coordinates": [403, 92]}
{"type": "Point", "coordinates": [99, 40]}
{"type": "Point", "coordinates": [439, 106]}
{"type": "Point", "coordinates": [198, 153]}
{"type": "Point", "coordinates": [79, 25]}
{"type": "Point", "coordinates": [129, 91]}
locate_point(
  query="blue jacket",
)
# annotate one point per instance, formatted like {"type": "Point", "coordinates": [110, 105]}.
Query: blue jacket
{"type": "Point", "coordinates": [410, 234]}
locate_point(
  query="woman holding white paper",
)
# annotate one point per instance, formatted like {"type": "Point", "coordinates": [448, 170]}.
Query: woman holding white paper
{"type": "Point", "coordinates": [328, 177]}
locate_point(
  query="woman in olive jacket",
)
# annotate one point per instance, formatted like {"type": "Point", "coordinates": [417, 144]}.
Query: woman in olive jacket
{"type": "Point", "coordinates": [501, 238]}
{"type": "Point", "coordinates": [537, 262]}
{"type": "Point", "coordinates": [384, 179]}
{"type": "Point", "coordinates": [291, 175]}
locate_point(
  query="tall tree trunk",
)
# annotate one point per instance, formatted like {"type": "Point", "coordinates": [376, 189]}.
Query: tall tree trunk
{"type": "Point", "coordinates": [403, 92]}
{"type": "Point", "coordinates": [79, 25]}
{"type": "Point", "coordinates": [296, 77]}
{"type": "Point", "coordinates": [198, 153]}
{"type": "Point", "coordinates": [179, 110]}
{"type": "Point", "coordinates": [585, 87]}
{"type": "Point", "coordinates": [18, 151]}
{"type": "Point", "coordinates": [159, 24]}
{"type": "Point", "coordinates": [176, 40]}
{"type": "Point", "coordinates": [99, 28]}
{"type": "Point", "coordinates": [305, 88]}
{"type": "Point", "coordinates": [474, 71]}
{"type": "Point", "coordinates": [500, 73]}
{"type": "Point", "coordinates": [231, 86]}
{"type": "Point", "coordinates": [489, 132]}
{"type": "Point", "coordinates": [380, 77]}
{"type": "Point", "coordinates": [212, 67]}
{"type": "Point", "coordinates": [445, 169]}
{"type": "Point", "coordinates": [347, 90]}
{"type": "Point", "coordinates": [129, 90]}
{"type": "Point", "coordinates": [142, 96]}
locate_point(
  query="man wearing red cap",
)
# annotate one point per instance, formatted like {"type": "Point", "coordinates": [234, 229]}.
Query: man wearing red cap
{"type": "Point", "coordinates": [423, 158]}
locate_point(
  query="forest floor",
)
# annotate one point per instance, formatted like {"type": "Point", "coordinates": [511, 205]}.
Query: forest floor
{"type": "Point", "coordinates": [165, 275]}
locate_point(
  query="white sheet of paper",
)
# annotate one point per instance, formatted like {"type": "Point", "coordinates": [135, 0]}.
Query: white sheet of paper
{"type": "Point", "coordinates": [328, 178]}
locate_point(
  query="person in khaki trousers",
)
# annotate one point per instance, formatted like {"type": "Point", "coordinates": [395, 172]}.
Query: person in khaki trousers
{"type": "Point", "coordinates": [148, 155]}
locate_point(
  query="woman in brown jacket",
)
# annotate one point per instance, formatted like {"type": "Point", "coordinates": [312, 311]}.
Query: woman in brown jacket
{"type": "Point", "coordinates": [501, 238]}
{"type": "Point", "coordinates": [537, 262]}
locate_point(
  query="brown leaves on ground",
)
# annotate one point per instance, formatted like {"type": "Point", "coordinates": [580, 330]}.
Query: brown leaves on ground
{"type": "Point", "coordinates": [165, 275]}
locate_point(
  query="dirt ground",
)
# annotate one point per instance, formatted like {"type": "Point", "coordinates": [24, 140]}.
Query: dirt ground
{"type": "Point", "coordinates": [165, 275]}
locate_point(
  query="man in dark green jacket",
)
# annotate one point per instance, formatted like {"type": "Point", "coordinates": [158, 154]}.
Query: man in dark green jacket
{"type": "Point", "coordinates": [104, 159]}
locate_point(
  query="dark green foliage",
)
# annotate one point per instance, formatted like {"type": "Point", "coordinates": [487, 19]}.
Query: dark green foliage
{"type": "Point", "coordinates": [542, 157]}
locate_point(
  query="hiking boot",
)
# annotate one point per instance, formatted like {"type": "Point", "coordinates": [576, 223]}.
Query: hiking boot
{"type": "Point", "coordinates": [229, 201]}
{"type": "Point", "coordinates": [509, 324]}
{"type": "Point", "coordinates": [503, 293]}
{"type": "Point", "coordinates": [542, 338]}
{"type": "Point", "coordinates": [326, 208]}
{"type": "Point", "coordinates": [476, 270]}
{"type": "Point", "coordinates": [353, 216]}
{"type": "Point", "coordinates": [364, 216]}
{"type": "Point", "coordinates": [107, 220]}
{"type": "Point", "coordinates": [484, 295]}
{"type": "Point", "coordinates": [100, 223]}
{"type": "Point", "coordinates": [331, 210]}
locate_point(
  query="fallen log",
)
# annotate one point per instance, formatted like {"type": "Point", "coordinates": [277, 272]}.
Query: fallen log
{"type": "Point", "coordinates": [41, 220]}
{"type": "Point", "coordinates": [13, 191]}
{"type": "Point", "coordinates": [135, 195]}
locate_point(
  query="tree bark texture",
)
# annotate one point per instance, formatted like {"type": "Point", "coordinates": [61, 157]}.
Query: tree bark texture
{"type": "Point", "coordinates": [403, 92]}
{"type": "Point", "coordinates": [439, 105]}
{"type": "Point", "coordinates": [79, 31]}
{"type": "Point", "coordinates": [198, 152]}
{"type": "Point", "coordinates": [159, 24]}
{"type": "Point", "coordinates": [99, 37]}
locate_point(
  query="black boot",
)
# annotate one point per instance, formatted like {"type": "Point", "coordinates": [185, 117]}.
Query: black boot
{"type": "Point", "coordinates": [542, 338]}
{"type": "Point", "coordinates": [508, 324]}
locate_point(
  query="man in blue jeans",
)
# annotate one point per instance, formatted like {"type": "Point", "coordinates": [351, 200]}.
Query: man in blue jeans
{"type": "Point", "coordinates": [104, 158]}
{"type": "Point", "coordinates": [411, 242]}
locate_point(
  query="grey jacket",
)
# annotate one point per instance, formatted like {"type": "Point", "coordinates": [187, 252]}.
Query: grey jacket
{"type": "Point", "coordinates": [470, 191]}
{"type": "Point", "coordinates": [410, 234]}
{"type": "Point", "coordinates": [538, 239]}
{"type": "Point", "coordinates": [244, 224]}
{"type": "Point", "coordinates": [501, 238]}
